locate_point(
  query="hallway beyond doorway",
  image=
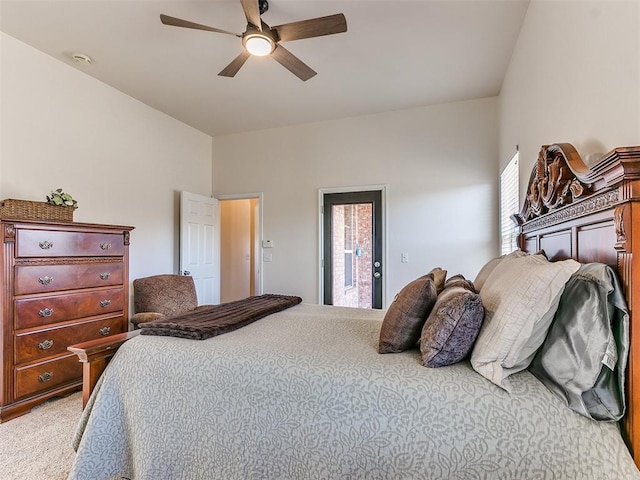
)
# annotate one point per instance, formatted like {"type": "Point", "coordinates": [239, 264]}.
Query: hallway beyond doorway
{"type": "Point", "coordinates": [239, 248]}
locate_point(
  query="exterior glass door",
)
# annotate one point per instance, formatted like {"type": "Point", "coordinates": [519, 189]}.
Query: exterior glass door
{"type": "Point", "coordinates": [353, 249]}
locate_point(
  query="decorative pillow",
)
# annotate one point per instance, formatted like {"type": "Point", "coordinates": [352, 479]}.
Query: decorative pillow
{"type": "Point", "coordinates": [453, 325]}
{"type": "Point", "coordinates": [404, 319]}
{"type": "Point", "coordinates": [439, 276]}
{"type": "Point", "coordinates": [459, 281]}
{"type": "Point", "coordinates": [520, 298]}
{"type": "Point", "coordinates": [490, 265]}
{"type": "Point", "coordinates": [584, 356]}
{"type": "Point", "coordinates": [144, 317]}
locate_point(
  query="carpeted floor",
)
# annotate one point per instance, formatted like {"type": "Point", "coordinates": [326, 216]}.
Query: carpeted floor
{"type": "Point", "coordinates": [37, 446]}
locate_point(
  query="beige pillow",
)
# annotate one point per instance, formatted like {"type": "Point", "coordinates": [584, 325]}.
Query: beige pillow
{"type": "Point", "coordinates": [405, 317]}
{"type": "Point", "coordinates": [488, 267]}
{"type": "Point", "coordinates": [520, 297]}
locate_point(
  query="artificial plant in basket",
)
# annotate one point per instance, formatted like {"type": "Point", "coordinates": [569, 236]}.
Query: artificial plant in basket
{"type": "Point", "coordinates": [61, 199]}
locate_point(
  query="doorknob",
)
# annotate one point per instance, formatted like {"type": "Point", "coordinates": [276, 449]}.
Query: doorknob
{"type": "Point", "coordinates": [376, 264]}
{"type": "Point", "coordinates": [377, 274]}
{"type": "Point", "coordinates": [186, 272]}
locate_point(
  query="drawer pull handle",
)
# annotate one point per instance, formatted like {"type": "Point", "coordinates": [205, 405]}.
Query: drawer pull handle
{"type": "Point", "coordinates": [105, 246]}
{"type": "Point", "coordinates": [105, 303]}
{"type": "Point", "coordinates": [46, 312]}
{"type": "Point", "coordinates": [46, 245]}
{"type": "Point", "coordinates": [45, 377]}
{"type": "Point", "coordinates": [46, 345]}
{"type": "Point", "coordinates": [104, 331]}
{"type": "Point", "coordinates": [105, 275]}
{"type": "Point", "coordinates": [45, 280]}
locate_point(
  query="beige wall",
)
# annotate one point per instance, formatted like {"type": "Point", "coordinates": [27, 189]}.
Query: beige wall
{"type": "Point", "coordinates": [574, 77]}
{"type": "Point", "coordinates": [123, 161]}
{"type": "Point", "coordinates": [439, 164]}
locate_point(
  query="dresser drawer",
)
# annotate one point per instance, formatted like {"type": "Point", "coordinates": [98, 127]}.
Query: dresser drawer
{"type": "Point", "coordinates": [45, 343]}
{"type": "Point", "coordinates": [50, 278]}
{"type": "Point", "coordinates": [53, 243]}
{"type": "Point", "coordinates": [33, 312]}
{"type": "Point", "coordinates": [46, 375]}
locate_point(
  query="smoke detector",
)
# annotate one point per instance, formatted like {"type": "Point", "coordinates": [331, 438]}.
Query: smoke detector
{"type": "Point", "coordinates": [81, 58]}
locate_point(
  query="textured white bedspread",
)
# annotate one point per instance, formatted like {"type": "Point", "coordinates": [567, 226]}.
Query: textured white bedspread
{"type": "Point", "coordinates": [303, 394]}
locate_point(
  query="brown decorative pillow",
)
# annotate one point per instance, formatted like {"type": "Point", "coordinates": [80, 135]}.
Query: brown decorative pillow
{"type": "Point", "coordinates": [439, 276]}
{"type": "Point", "coordinates": [144, 317]}
{"type": "Point", "coordinates": [450, 331]}
{"type": "Point", "coordinates": [459, 281]}
{"type": "Point", "coordinates": [403, 321]}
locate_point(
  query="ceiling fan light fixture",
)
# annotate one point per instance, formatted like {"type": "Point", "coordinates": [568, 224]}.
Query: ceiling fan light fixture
{"type": "Point", "coordinates": [258, 44]}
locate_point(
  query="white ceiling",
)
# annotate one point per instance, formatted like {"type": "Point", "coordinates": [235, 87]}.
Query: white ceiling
{"type": "Point", "coordinates": [395, 54]}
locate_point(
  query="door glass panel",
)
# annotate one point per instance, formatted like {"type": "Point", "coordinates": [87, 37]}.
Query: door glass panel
{"type": "Point", "coordinates": [352, 255]}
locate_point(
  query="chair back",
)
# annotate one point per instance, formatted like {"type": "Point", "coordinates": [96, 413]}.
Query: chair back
{"type": "Point", "coordinates": [167, 294]}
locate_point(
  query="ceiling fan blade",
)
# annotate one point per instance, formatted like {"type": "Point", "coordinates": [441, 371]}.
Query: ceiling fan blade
{"type": "Point", "coordinates": [252, 12]}
{"type": "Point", "coordinates": [177, 22]}
{"type": "Point", "coordinates": [314, 27]}
{"type": "Point", "coordinates": [292, 63]}
{"type": "Point", "coordinates": [231, 69]}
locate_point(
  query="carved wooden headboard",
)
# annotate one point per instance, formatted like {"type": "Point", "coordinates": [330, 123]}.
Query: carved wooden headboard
{"type": "Point", "coordinates": [592, 214]}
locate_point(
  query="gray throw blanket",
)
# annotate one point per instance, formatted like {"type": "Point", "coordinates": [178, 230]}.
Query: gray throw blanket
{"type": "Point", "coordinates": [219, 319]}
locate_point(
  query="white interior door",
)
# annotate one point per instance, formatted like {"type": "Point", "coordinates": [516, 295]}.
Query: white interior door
{"type": "Point", "coordinates": [200, 244]}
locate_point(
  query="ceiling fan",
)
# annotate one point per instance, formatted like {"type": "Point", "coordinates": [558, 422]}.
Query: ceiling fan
{"type": "Point", "coordinates": [261, 40]}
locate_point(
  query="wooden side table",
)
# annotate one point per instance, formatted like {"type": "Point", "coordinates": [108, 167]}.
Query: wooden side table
{"type": "Point", "coordinates": [95, 355]}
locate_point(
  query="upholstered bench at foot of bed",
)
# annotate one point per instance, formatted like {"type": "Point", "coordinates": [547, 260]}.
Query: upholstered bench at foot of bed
{"type": "Point", "coordinates": [95, 355]}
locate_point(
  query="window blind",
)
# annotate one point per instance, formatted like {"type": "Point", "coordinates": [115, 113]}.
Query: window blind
{"type": "Point", "coordinates": [509, 203]}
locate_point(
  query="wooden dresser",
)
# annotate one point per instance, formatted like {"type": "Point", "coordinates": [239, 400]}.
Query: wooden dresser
{"type": "Point", "coordinates": [61, 284]}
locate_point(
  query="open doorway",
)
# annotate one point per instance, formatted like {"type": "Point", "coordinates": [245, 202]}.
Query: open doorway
{"type": "Point", "coordinates": [240, 262]}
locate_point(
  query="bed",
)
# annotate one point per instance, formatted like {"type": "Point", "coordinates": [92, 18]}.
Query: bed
{"type": "Point", "coordinates": [304, 393]}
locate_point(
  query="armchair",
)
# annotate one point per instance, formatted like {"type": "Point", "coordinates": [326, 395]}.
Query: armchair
{"type": "Point", "coordinates": [161, 296]}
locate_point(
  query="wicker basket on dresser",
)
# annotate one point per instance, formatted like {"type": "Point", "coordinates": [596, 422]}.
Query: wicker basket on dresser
{"type": "Point", "coordinates": [61, 283]}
